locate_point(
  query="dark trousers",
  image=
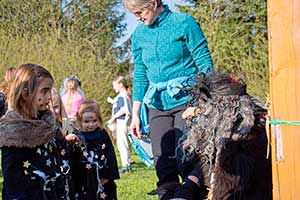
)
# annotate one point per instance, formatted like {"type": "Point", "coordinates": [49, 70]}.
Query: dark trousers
{"type": "Point", "coordinates": [166, 128]}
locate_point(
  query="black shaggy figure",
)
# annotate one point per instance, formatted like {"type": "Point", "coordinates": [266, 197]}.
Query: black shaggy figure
{"type": "Point", "coordinates": [227, 132]}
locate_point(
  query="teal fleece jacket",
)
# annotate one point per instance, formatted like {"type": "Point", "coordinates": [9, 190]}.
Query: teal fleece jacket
{"type": "Point", "coordinates": [173, 46]}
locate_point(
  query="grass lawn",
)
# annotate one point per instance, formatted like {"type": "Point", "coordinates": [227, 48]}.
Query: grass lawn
{"type": "Point", "coordinates": [134, 185]}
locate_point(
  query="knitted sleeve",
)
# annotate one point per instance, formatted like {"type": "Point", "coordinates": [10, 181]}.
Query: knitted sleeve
{"type": "Point", "coordinates": [140, 80]}
{"type": "Point", "coordinates": [197, 45]}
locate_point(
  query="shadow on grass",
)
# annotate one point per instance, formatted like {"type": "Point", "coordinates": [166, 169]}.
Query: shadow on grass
{"type": "Point", "coordinates": [139, 164]}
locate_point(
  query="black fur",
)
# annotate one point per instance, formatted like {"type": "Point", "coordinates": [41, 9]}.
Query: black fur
{"type": "Point", "coordinates": [229, 137]}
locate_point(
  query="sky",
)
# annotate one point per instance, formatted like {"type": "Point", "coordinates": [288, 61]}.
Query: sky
{"type": "Point", "coordinates": [132, 22]}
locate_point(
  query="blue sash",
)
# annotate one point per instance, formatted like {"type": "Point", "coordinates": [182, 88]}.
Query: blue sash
{"type": "Point", "coordinates": [172, 86]}
{"type": "Point", "coordinates": [144, 117]}
{"type": "Point", "coordinates": [143, 148]}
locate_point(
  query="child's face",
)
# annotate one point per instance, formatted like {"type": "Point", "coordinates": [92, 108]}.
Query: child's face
{"type": "Point", "coordinates": [71, 84]}
{"type": "Point", "coordinates": [90, 121]}
{"type": "Point", "coordinates": [43, 94]}
{"type": "Point", "coordinates": [116, 86]}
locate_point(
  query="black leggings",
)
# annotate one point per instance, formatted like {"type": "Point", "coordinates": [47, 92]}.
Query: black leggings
{"type": "Point", "coordinates": [166, 128]}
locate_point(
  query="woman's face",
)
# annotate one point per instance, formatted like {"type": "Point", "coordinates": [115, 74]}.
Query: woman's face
{"type": "Point", "coordinates": [89, 122]}
{"type": "Point", "coordinates": [146, 15]}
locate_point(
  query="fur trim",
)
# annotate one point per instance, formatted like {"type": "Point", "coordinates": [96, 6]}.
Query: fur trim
{"type": "Point", "coordinates": [17, 131]}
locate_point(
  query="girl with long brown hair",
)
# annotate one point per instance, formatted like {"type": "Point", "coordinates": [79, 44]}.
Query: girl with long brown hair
{"type": "Point", "coordinates": [26, 138]}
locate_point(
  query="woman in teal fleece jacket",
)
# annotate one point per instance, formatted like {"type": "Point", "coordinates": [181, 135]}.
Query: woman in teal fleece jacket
{"type": "Point", "coordinates": [169, 50]}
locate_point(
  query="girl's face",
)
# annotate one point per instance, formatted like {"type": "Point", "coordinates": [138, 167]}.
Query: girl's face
{"type": "Point", "coordinates": [89, 122]}
{"type": "Point", "coordinates": [116, 86]}
{"type": "Point", "coordinates": [42, 96]}
{"type": "Point", "coordinates": [71, 84]}
{"type": "Point", "coordinates": [55, 103]}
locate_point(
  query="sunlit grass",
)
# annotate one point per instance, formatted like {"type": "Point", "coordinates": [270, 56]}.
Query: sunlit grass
{"type": "Point", "coordinates": [136, 184]}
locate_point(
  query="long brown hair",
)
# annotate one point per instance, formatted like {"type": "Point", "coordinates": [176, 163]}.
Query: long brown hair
{"type": "Point", "coordinates": [28, 77]}
{"type": "Point", "coordinates": [89, 106]}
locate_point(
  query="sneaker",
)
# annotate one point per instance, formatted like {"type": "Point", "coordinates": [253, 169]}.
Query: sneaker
{"type": "Point", "coordinates": [129, 168]}
{"type": "Point", "coordinates": [131, 161]}
{"type": "Point", "coordinates": [167, 195]}
{"type": "Point", "coordinates": [124, 170]}
{"type": "Point", "coordinates": [165, 191]}
{"type": "Point", "coordinates": [190, 190]}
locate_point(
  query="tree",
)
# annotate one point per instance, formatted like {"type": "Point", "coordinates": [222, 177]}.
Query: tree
{"type": "Point", "coordinates": [67, 37]}
{"type": "Point", "coordinates": [236, 31]}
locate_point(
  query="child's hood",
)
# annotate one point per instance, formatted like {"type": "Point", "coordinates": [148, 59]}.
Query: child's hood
{"type": "Point", "coordinates": [16, 131]}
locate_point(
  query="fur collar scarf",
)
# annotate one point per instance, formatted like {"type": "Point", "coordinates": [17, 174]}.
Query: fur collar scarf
{"type": "Point", "coordinates": [17, 131]}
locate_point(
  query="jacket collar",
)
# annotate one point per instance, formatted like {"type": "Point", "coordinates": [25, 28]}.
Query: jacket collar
{"type": "Point", "coordinates": [160, 19]}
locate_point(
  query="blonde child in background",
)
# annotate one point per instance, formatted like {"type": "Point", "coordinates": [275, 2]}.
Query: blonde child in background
{"type": "Point", "coordinates": [27, 134]}
{"type": "Point", "coordinates": [9, 76]}
{"type": "Point", "coordinates": [59, 110]}
{"type": "Point", "coordinates": [95, 165]}
{"type": "Point", "coordinates": [5, 85]}
{"type": "Point", "coordinates": [72, 96]}
{"type": "Point", "coordinates": [64, 149]}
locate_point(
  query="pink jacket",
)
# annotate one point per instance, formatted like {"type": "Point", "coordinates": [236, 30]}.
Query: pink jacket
{"type": "Point", "coordinates": [77, 99]}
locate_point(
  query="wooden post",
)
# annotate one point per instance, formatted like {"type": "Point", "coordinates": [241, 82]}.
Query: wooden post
{"type": "Point", "coordinates": [284, 63]}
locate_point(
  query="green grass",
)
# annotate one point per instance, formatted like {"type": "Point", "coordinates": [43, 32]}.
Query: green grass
{"type": "Point", "coordinates": [136, 184]}
{"type": "Point", "coordinates": [131, 186]}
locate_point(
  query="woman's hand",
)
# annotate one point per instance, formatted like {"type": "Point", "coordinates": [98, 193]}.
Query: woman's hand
{"type": "Point", "coordinates": [135, 125]}
{"type": "Point", "coordinates": [72, 138]}
{"type": "Point", "coordinates": [136, 121]}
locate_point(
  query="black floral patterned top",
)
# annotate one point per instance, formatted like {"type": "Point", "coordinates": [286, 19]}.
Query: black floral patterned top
{"type": "Point", "coordinates": [94, 159]}
{"type": "Point", "coordinates": [36, 170]}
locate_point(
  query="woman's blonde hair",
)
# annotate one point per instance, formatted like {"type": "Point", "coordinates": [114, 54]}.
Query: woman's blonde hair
{"type": "Point", "coordinates": [8, 79]}
{"type": "Point", "coordinates": [131, 5]}
{"type": "Point", "coordinates": [89, 106]}
{"type": "Point", "coordinates": [28, 77]}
